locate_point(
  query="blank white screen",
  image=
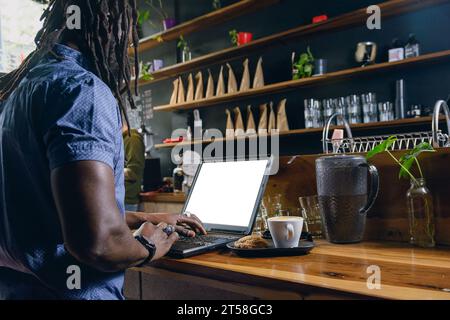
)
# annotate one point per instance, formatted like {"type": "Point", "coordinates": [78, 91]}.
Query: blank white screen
{"type": "Point", "coordinates": [225, 193]}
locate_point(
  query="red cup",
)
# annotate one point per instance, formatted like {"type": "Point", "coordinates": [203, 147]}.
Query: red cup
{"type": "Point", "coordinates": [244, 38]}
{"type": "Point", "coordinates": [320, 18]}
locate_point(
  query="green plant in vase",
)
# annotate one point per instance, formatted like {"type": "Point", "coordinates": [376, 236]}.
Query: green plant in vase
{"type": "Point", "coordinates": [184, 47]}
{"type": "Point", "coordinates": [143, 17]}
{"type": "Point", "coordinates": [419, 198]}
{"type": "Point", "coordinates": [233, 37]}
{"type": "Point", "coordinates": [146, 73]}
{"type": "Point", "coordinates": [304, 66]}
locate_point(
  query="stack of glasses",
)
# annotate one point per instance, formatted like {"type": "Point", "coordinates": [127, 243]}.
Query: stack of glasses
{"type": "Point", "coordinates": [354, 108]}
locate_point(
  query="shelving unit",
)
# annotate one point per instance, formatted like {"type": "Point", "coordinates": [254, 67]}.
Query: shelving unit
{"type": "Point", "coordinates": [388, 9]}
{"type": "Point", "coordinates": [294, 84]}
{"type": "Point", "coordinates": [204, 22]}
{"type": "Point", "coordinates": [303, 132]}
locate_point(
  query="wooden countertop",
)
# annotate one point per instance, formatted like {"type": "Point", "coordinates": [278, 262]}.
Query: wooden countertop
{"type": "Point", "coordinates": [163, 197]}
{"type": "Point", "coordinates": [406, 272]}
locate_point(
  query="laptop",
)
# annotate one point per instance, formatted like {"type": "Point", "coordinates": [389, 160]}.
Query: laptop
{"type": "Point", "coordinates": [226, 197]}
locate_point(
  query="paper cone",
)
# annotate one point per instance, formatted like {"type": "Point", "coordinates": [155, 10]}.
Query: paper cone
{"type": "Point", "coordinates": [272, 120]}
{"type": "Point", "coordinates": [232, 83]}
{"type": "Point", "coordinates": [229, 131]}
{"type": "Point", "coordinates": [258, 82]}
{"type": "Point", "coordinates": [251, 126]}
{"type": "Point", "coordinates": [181, 92]}
{"type": "Point", "coordinates": [238, 123]}
{"type": "Point", "coordinates": [190, 91]}
{"type": "Point", "coordinates": [220, 84]}
{"type": "Point", "coordinates": [262, 126]}
{"type": "Point", "coordinates": [282, 121]}
{"type": "Point", "coordinates": [210, 86]}
{"type": "Point", "coordinates": [174, 97]}
{"type": "Point", "coordinates": [245, 83]}
{"type": "Point", "coordinates": [199, 88]}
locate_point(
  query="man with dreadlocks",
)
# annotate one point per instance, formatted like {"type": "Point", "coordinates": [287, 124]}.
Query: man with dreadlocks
{"type": "Point", "coordinates": [63, 234]}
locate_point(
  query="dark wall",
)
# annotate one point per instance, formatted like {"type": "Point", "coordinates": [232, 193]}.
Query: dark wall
{"type": "Point", "coordinates": [425, 84]}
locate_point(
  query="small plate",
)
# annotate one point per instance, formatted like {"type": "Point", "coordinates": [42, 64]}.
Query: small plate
{"type": "Point", "coordinates": [304, 247]}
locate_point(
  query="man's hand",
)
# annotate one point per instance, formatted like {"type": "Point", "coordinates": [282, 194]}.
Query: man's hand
{"type": "Point", "coordinates": [158, 237]}
{"type": "Point", "coordinates": [186, 226]}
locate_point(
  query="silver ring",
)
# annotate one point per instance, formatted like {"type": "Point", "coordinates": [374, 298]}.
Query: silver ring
{"type": "Point", "coordinates": [169, 229]}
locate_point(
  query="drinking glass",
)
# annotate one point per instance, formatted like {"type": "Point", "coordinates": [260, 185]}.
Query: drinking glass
{"type": "Point", "coordinates": [273, 205]}
{"type": "Point", "coordinates": [310, 211]}
{"type": "Point", "coordinates": [354, 109]}
{"type": "Point", "coordinates": [309, 114]}
{"type": "Point", "coordinates": [370, 108]}
{"type": "Point", "coordinates": [341, 107]}
{"type": "Point", "coordinates": [328, 109]}
{"type": "Point", "coordinates": [317, 114]}
{"type": "Point", "coordinates": [386, 111]}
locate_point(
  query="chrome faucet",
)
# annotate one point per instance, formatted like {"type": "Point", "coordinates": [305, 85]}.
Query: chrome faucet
{"type": "Point", "coordinates": [440, 105]}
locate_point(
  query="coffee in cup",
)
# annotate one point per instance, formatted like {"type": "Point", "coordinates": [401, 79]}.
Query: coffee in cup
{"type": "Point", "coordinates": [286, 231]}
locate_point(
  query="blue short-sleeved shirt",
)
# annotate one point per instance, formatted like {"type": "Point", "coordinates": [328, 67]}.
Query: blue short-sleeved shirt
{"type": "Point", "coordinates": [60, 113]}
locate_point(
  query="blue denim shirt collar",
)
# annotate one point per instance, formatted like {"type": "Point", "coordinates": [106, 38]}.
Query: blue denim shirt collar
{"type": "Point", "coordinates": [73, 55]}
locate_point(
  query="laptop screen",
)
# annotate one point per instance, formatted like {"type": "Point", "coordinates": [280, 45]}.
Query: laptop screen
{"type": "Point", "coordinates": [226, 195]}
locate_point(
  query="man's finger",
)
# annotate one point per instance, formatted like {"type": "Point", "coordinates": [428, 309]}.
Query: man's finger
{"type": "Point", "coordinates": [193, 223]}
{"type": "Point", "coordinates": [196, 218]}
{"type": "Point", "coordinates": [174, 238]}
{"type": "Point", "coordinates": [185, 232]}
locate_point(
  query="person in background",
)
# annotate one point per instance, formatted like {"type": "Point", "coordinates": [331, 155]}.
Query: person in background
{"type": "Point", "coordinates": [63, 229]}
{"type": "Point", "coordinates": [134, 166]}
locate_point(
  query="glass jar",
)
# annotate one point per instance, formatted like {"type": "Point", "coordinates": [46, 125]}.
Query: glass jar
{"type": "Point", "coordinates": [421, 214]}
{"type": "Point", "coordinates": [186, 54]}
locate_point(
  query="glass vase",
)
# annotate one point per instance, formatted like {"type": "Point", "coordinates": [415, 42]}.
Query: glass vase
{"type": "Point", "coordinates": [186, 54]}
{"type": "Point", "coordinates": [421, 214]}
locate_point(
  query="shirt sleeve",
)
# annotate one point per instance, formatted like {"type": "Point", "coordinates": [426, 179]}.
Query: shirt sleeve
{"type": "Point", "coordinates": [82, 123]}
{"type": "Point", "coordinates": [135, 157]}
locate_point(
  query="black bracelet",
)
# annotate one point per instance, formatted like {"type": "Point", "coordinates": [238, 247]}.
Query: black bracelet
{"type": "Point", "coordinates": [150, 248]}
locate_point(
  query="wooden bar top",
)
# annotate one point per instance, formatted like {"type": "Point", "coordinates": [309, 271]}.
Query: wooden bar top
{"type": "Point", "coordinates": [163, 197]}
{"type": "Point", "coordinates": [406, 272]}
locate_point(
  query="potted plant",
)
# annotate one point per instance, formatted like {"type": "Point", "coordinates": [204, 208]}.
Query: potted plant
{"type": "Point", "coordinates": [143, 17]}
{"type": "Point", "coordinates": [167, 21]}
{"type": "Point", "coordinates": [419, 198]}
{"type": "Point", "coordinates": [304, 66]}
{"type": "Point", "coordinates": [186, 54]}
{"type": "Point", "coordinates": [146, 71]}
{"type": "Point", "coordinates": [240, 38]}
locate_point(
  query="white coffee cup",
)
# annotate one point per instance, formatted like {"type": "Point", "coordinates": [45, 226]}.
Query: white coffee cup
{"type": "Point", "coordinates": [286, 231]}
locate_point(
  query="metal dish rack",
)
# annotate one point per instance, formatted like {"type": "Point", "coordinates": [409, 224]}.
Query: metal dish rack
{"type": "Point", "coordinates": [404, 141]}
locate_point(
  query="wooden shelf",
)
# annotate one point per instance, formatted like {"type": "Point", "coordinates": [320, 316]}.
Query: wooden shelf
{"type": "Point", "coordinates": [201, 23]}
{"type": "Point", "coordinates": [354, 127]}
{"type": "Point", "coordinates": [294, 84]}
{"type": "Point", "coordinates": [388, 9]}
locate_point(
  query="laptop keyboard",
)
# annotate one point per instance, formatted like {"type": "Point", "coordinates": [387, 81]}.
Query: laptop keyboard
{"type": "Point", "coordinates": [202, 240]}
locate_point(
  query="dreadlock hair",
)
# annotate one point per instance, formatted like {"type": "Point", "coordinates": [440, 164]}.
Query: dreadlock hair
{"type": "Point", "coordinates": [103, 38]}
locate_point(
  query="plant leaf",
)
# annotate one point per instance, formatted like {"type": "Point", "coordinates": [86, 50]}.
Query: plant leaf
{"type": "Point", "coordinates": [407, 165]}
{"type": "Point", "coordinates": [418, 150]}
{"type": "Point", "coordinates": [382, 147]}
